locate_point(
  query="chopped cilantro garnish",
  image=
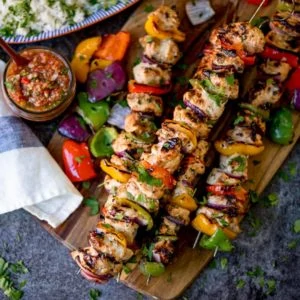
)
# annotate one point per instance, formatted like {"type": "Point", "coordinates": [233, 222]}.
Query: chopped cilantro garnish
{"type": "Point", "coordinates": [257, 272]}
{"type": "Point", "coordinates": [293, 244]}
{"type": "Point", "coordinates": [238, 120]}
{"type": "Point", "coordinates": [230, 79]}
{"type": "Point", "coordinates": [145, 177]}
{"type": "Point", "coordinates": [240, 161]}
{"type": "Point", "coordinates": [240, 283]}
{"type": "Point", "coordinates": [18, 267]}
{"type": "Point", "coordinates": [137, 61]}
{"type": "Point", "coordinates": [270, 200]}
{"type": "Point", "coordinates": [93, 204]}
{"type": "Point", "coordinates": [270, 81]}
{"type": "Point", "coordinates": [149, 8]}
{"type": "Point", "coordinates": [94, 294]}
{"type": "Point", "coordinates": [297, 226]}
{"type": "Point", "coordinates": [224, 263]}
{"type": "Point", "coordinates": [126, 269]}
{"type": "Point", "coordinates": [271, 285]}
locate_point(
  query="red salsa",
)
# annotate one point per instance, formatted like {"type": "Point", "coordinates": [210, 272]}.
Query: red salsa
{"type": "Point", "coordinates": [41, 85]}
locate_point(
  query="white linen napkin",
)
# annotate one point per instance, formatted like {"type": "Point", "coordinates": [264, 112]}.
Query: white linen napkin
{"type": "Point", "coordinates": [29, 176]}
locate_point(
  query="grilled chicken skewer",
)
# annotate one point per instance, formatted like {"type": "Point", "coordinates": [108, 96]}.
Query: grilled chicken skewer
{"type": "Point", "coordinates": [228, 201]}
{"type": "Point", "coordinates": [111, 242]}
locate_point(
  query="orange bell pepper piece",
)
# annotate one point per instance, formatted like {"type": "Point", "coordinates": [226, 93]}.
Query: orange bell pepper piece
{"type": "Point", "coordinates": [114, 46]}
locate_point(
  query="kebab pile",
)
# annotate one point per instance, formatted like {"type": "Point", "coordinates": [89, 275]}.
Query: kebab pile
{"type": "Point", "coordinates": [132, 198]}
{"type": "Point", "coordinates": [227, 200]}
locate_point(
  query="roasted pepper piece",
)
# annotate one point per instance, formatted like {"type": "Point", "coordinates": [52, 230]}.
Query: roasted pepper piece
{"type": "Point", "coordinates": [101, 143]}
{"type": "Point", "coordinates": [294, 82]}
{"type": "Point", "coordinates": [152, 268]}
{"type": "Point", "coordinates": [114, 172]}
{"type": "Point", "coordinates": [141, 212]}
{"type": "Point", "coordinates": [77, 161]}
{"type": "Point", "coordinates": [218, 241]}
{"type": "Point", "coordinates": [83, 53]}
{"type": "Point", "coordinates": [281, 127]}
{"type": "Point", "coordinates": [153, 30]}
{"type": "Point", "coordinates": [99, 64]}
{"type": "Point", "coordinates": [203, 224]}
{"type": "Point", "coordinates": [134, 87]}
{"type": "Point", "coordinates": [185, 201]}
{"type": "Point", "coordinates": [228, 149]}
{"type": "Point", "coordinates": [94, 114]}
{"type": "Point", "coordinates": [106, 228]}
{"type": "Point", "coordinates": [113, 46]}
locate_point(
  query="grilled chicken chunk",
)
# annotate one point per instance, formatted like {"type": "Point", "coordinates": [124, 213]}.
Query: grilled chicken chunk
{"type": "Point", "coordinates": [190, 118]}
{"type": "Point", "coordinates": [219, 177]}
{"type": "Point", "coordinates": [127, 228]}
{"type": "Point", "coordinates": [265, 92]}
{"type": "Point", "coordinates": [178, 214]}
{"type": "Point", "coordinates": [168, 227]}
{"type": "Point", "coordinates": [222, 60]}
{"type": "Point", "coordinates": [203, 103]}
{"type": "Point", "coordinates": [139, 125]}
{"type": "Point", "coordinates": [187, 136]}
{"type": "Point", "coordinates": [251, 38]}
{"type": "Point", "coordinates": [286, 23]}
{"type": "Point", "coordinates": [145, 103]}
{"type": "Point", "coordinates": [253, 121]}
{"type": "Point", "coordinates": [201, 149]}
{"type": "Point", "coordinates": [166, 19]}
{"type": "Point", "coordinates": [109, 245]}
{"type": "Point", "coordinates": [220, 218]}
{"type": "Point", "coordinates": [279, 69]}
{"type": "Point", "coordinates": [136, 187]}
{"type": "Point", "coordinates": [183, 188]}
{"type": "Point", "coordinates": [90, 260]}
{"type": "Point", "coordinates": [284, 42]}
{"type": "Point", "coordinates": [127, 142]}
{"type": "Point", "coordinates": [163, 251]}
{"type": "Point", "coordinates": [165, 154]}
{"type": "Point", "coordinates": [151, 74]}
{"type": "Point", "coordinates": [111, 185]}
{"type": "Point", "coordinates": [219, 83]}
{"type": "Point", "coordinates": [134, 194]}
{"type": "Point", "coordinates": [163, 51]}
{"type": "Point", "coordinates": [235, 165]}
{"type": "Point", "coordinates": [123, 162]}
{"type": "Point", "coordinates": [244, 135]}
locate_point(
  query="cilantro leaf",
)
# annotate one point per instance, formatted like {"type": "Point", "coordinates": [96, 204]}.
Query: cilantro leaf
{"type": "Point", "coordinates": [144, 176]}
{"type": "Point", "coordinates": [240, 161]}
{"type": "Point", "coordinates": [253, 196]}
{"type": "Point", "coordinates": [230, 79]}
{"type": "Point", "coordinates": [240, 283]}
{"type": "Point", "coordinates": [149, 8]}
{"type": "Point", "coordinates": [257, 272]}
{"type": "Point", "coordinates": [19, 267]}
{"type": "Point", "coordinates": [94, 294]}
{"type": "Point", "coordinates": [224, 263]}
{"type": "Point", "coordinates": [293, 244]}
{"type": "Point", "coordinates": [271, 284]}
{"type": "Point", "coordinates": [93, 204]}
{"type": "Point", "coordinates": [297, 226]}
{"type": "Point", "coordinates": [238, 120]}
{"type": "Point", "coordinates": [271, 200]}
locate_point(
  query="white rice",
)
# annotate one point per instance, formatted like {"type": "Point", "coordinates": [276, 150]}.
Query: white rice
{"type": "Point", "coordinates": [26, 17]}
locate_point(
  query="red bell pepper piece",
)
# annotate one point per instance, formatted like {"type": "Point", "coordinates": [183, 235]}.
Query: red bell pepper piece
{"type": "Point", "coordinates": [248, 60]}
{"type": "Point", "coordinates": [236, 191]}
{"type": "Point", "coordinates": [276, 54]}
{"type": "Point", "coordinates": [134, 87]}
{"type": "Point", "coordinates": [294, 81]}
{"type": "Point", "coordinates": [257, 2]}
{"type": "Point", "coordinates": [77, 160]}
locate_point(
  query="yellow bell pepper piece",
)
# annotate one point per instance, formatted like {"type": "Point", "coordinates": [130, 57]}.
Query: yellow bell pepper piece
{"type": "Point", "coordinates": [82, 56]}
{"type": "Point", "coordinates": [99, 64]}
{"type": "Point", "coordinates": [152, 29]}
{"type": "Point", "coordinates": [182, 128]}
{"type": "Point", "coordinates": [141, 211]}
{"type": "Point", "coordinates": [185, 201]}
{"type": "Point", "coordinates": [228, 149]}
{"type": "Point", "coordinates": [203, 224]}
{"type": "Point", "coordinates": [114, 172]}
{"type": "Point", "coordinates": [106, 228]}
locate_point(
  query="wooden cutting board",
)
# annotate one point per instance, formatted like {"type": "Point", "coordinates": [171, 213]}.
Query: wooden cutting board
{"type": "Point", "coordinates": [188, 262]}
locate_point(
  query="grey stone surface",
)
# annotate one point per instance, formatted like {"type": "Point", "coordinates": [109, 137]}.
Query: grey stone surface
{"type": "Point", "coordinates": [54, 276]}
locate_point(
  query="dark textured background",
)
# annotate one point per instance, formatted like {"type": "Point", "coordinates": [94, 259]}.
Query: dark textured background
{"type": "Point", "coordinates": [54, 276]}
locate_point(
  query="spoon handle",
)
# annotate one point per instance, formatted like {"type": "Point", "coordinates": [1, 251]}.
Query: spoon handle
{"type": "Point", "coordinates": [18, 59]}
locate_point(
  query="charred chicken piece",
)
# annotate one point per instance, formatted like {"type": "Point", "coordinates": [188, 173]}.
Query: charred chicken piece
{"type": "Point", "coordinates": [168, 227]}
{"type": "Point", "coordinates": [284, 42]}
{"type": "Point", "coordinates": [165, 154]}
{"type": "Point", "coordinates": [279, 69]}
{"type": "Point", "coordinates": [285, 23]}
{"type": "Point", "coordinates": [163, 251]}
{"type": "Point", "coordinates": [111, 185]}
{"type": "Point", "coordinates": [151, 74]}
{"type": "Point", "coordinates": [250, 38]}
{"type": "Point", "coordinates": [178, 215]}
{"type": "Point", "coordinates": [145, 103]}
{"type": "Point", "coordinates": [244, 135]}
{"type": "Point", "coordinates": [162, 51]}
{"type": "Point", "coordinates": [219, 177]}
{"type": "Point", "coordinates": [235, 165]}
{"type": "Point", "coordinates": [191, 119]}
{"type": "Point", "coordinates": [140, 124]}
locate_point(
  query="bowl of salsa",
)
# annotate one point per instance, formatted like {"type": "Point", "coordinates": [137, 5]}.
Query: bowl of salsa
{"type": "Point", "coordinates": [41, 90]}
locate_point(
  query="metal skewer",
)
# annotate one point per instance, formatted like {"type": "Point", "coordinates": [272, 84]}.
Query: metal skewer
{"type": "Point", "coordinates": [252, 17]}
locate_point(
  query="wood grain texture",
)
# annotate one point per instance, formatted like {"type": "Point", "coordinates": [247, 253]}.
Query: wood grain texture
{"type": "Point", "coordinates": [188, 262]}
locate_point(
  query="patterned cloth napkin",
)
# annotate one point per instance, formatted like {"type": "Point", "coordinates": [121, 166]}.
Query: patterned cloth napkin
{"type": "Point", "coordinates": [29, 177]}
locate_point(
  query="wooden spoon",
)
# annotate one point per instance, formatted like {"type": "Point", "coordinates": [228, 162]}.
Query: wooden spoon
{"type": "Point", "coordinates": [17, 58]}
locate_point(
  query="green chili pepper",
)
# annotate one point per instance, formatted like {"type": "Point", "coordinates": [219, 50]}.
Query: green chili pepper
{"type": "Point", "coordinates": [281, 127]}
{"type": "Point", "coordinates": [152, 268]}
{"type": "Point", "coordinates": [94, 114]}
{"type": "Point", "coordinates": [101, 143]}
{"type": "Point", "coordinates": [217, 240]}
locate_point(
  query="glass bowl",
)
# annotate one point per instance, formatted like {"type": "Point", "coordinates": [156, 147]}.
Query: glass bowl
{"type": "Point", "coordinates": [27, 107]}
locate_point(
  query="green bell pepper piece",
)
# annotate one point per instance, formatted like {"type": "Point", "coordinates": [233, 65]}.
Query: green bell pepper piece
{"type": "Point", "coordinates": [101, 143]}
{"type": "Point", "coordinates": [94, 114]}
{"type": "Point", "coordinates": [152, 268]}
{"type": "Point", "coordinates": [281, 127]}
{"type": "Point", "coordinates": [265, 114]}
{"type": "Point", "coordinates": [217, 240]}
